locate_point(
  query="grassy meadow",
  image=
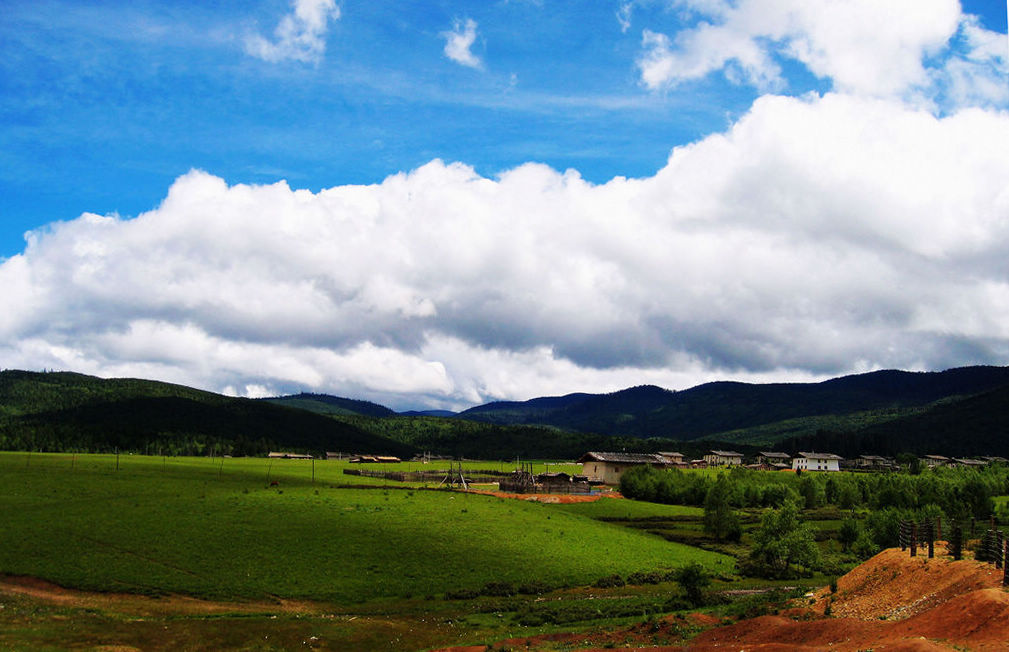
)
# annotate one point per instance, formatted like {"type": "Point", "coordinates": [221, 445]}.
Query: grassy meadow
{"type": "Point", "coordinates": [215, 528]}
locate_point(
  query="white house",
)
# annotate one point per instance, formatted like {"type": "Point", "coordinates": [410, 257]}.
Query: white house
{"type": "Point", "coordinates": [608, 467]}
{"type": "Point", "coordinates": [723, 458]}
{"type": "Point", "coordinates": [816, 462]}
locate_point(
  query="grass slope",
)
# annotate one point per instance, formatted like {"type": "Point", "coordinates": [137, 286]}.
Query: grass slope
{"type": "Point", "coordinates": [194, 526]}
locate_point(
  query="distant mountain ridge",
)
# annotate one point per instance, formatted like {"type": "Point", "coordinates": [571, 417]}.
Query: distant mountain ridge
{"type": "Point", "coordinates": [870, 412]}
{"type": "Point", "coordinates": [719, 407]}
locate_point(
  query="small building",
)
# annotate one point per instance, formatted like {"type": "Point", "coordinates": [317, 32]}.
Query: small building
{"type": "Point", "coordinates": [933, 461]}
{"type": "Point", "coordinates": [967, 462]}
{"type": "Point", "coordinates": [816, 462]}
{"type": "Point", "coordinates": [723, 458]}
{"type": "Point", "coordinates": [608, 467]}
{"type": "Point", "coordinates": [374, 459]}
{"type": "Point", "coordinates": [994, 459]}
{"type": "Point", "coordinates": [675, 459]}
{"type": "Point", "coordinates": [874, 463]}
{"type": "Point", "coordinates": [771, 458]}
{"type": "Point", "coordinates": [281, 455]}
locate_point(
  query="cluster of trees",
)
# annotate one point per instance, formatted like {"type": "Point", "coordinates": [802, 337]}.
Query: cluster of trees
{"type": "Point", "coordinates": [957, 493]}
{"type": "Point", "coordinates": [782, 546]}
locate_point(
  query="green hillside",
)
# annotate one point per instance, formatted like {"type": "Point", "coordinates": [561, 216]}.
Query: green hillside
{"type": "Point", "coordinates": [217, 530]}
{"type": "Point", "coordinates": [73, 412]}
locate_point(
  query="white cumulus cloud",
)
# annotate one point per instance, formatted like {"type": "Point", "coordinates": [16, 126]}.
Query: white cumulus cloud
{"type": "Point", "coordinates": [300, 35]}
{"type": "Point", "coordinates": [459, 41]}
{"type": "Point", "coordinates": [816, 236]}
{"type": "Point", "coordinates": [862, 46]}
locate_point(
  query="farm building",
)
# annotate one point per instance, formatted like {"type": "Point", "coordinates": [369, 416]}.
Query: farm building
{"type": "Point", "coordinates": [608, 467]}
{"type": "Point", "coordinates": [288, 456]}
{"type": "Point", "coordinates": [932, 461]}
{"type": "Point", "coordinates": [676, 459]}
{"type": "Point", "coordinates": [967, 462]}
{"type": "Point", "coordinates": [372, 459]}
{"type": "Point", "coordinates": [874, 462]}
{"type": "Point", "coordinates": [816, 462]}
{"type": "Point", "coordinates": [723, 458]}
{"type": "Point", "coordinates": [774, 460]}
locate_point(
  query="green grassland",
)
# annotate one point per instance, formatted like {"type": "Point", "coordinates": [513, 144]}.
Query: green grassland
{"type": "Point", "coordinates": [214, 528]}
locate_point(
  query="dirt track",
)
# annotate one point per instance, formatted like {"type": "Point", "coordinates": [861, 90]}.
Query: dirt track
{"type": "Point", "coordinates": [892, 602]}
{"type": "Point", "coordinates": [140, 605]}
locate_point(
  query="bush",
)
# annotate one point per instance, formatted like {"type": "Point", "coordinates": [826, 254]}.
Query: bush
{"type": "Point", "coordinates": [534, 588]}
{"type": "Point", "coordinates": [462, 594]}
{"type": "Point", "coordinates": [639, 578]}
{"type": "Point", "coordinates": [609, 582]}
{"type": "Point", "coordinates": [498, 589]}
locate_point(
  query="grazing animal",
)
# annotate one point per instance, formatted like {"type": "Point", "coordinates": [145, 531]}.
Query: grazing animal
{"type": "Point", "coordinates": [275, 483]}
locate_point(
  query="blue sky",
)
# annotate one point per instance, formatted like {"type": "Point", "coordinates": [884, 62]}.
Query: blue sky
{"type": "Point", "coordinates": [104, 108]}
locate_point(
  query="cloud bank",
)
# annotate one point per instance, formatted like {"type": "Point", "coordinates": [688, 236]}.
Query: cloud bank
{"type": "Point", "coordinates": [818, 235]}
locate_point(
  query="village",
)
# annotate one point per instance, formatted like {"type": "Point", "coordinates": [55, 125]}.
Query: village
{"type": "Point", "coordinates": [601, 469]}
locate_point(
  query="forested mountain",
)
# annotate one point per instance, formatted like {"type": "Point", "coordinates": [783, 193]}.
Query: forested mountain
{"type": "Point", "coordinates": [974, 426]}
{"type": "Point", "coordinates": [326, 404]}
{"type": "Point", "coordinates": [67, 411]}
{"type": "Point", "coordinates": [714, 409]}
{"type": "Point", "coordinates": [959, 411]}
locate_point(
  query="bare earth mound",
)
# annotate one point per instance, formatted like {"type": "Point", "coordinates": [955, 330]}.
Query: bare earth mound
{"type": "Point", "coordinates": [891, 602]}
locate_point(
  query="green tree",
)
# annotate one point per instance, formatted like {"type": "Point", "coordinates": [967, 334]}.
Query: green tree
{"type": "Point", "coordinates": [783, 542]}
{"type": "Point", "coordinates": [693, 578]}
{"type": "Point", "coordinates": [864, 547]}
{"type": "Point", "coordinates": [849, 533]}
{"type": "Point", "coordinates": [720, 521]}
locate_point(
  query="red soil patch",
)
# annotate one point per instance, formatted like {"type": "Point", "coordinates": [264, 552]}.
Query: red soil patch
{"type": "Point", "coordinates": [562, 499]}
{"type": "Point", "coordinates": [894, 585]}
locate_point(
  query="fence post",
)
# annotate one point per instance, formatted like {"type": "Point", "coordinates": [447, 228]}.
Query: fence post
{"type": "Point", "coordinates": [914, 539]}
{"type": "Point", "coordinates": [1005, 574]}
{"type": "Point", "coordinates": [998, 548]}
{"type": "Point", "coordinates": [931, 541]}
{"type": "Point", "coordinates": [956, 541]}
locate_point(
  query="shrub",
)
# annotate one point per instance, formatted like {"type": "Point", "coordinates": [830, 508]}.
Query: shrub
{"type": "Point", "coordinates": [654, 577]}
{"type": "Point", "coordinates": [498, 589]}
{"type": "Point", "coordinates": [609, 582]}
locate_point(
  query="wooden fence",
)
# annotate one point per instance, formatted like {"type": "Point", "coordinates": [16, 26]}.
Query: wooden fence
{"type": "Point", "coordinates": [992, 546]}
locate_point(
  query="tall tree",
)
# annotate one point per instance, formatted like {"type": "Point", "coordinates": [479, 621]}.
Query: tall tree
{"type": "Point", "coordinates": [720, 521]}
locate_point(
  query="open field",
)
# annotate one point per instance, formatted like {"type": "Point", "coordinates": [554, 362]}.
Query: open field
{"type": "Point", "coordinates": [194, 527]}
